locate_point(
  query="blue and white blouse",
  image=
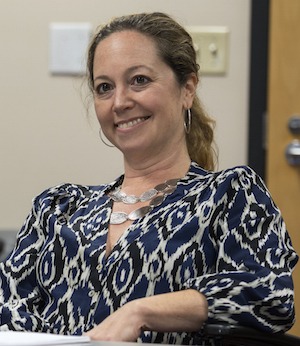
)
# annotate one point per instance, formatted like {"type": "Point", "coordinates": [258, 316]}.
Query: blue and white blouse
{"type": "Point", "coordinates": [219, 233]}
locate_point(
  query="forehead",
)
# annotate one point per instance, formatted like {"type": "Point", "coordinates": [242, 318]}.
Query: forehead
{"type": "Point", "coordinates": [127, 44]}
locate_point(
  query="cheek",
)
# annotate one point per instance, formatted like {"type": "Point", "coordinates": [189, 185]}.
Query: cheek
{"type": "Point", "coordinates": [101, 112]}
{"type": "Point", "coordinates": [155, 101]}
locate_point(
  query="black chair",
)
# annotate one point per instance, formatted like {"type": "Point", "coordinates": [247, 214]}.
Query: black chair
{"type": "Point", "coordinates": [7, 242]}
{"type": "Point", "coordinates": [230, 335]}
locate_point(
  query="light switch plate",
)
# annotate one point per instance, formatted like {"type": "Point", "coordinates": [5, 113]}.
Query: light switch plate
{"type": "Point", "coordinates": [211, 45]}
{"type": "Point", "coordinates": [68, 47]}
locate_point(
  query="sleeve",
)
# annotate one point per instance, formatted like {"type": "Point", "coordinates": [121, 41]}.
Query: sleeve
{"type": "Point", "coordinates": [251, 283]}
{"type": "Point", "coordinates": [19, 293]}
{"type": "Point", "coordinates": [21, 301]}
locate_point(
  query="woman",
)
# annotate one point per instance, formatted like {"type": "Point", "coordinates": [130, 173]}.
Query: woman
{"type": "Point", "coordinates": [169, 245]}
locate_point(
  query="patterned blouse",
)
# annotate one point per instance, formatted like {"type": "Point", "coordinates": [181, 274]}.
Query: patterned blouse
{"type": "Point", "coordinates": [218, 232]}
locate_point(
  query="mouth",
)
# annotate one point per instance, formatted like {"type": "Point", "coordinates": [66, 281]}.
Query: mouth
{"type": "Point", "coordinates": [131, 123]}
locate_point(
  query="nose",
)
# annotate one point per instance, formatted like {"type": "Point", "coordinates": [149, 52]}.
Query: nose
{"type": "Point", "coordinates": [123, 99]}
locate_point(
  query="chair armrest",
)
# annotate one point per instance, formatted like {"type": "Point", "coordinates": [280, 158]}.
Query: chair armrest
{"type": "Point", "coordinates": [234, 335]}
{"type": "Point", "coordinates": [7, 242]}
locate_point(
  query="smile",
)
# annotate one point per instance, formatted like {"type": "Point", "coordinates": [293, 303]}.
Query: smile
{"type": "Point", "coordinates": [131, 123]}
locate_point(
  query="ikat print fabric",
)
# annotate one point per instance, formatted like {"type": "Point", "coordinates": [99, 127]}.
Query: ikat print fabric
{"type": "Point", "coordinates": [219, 233]}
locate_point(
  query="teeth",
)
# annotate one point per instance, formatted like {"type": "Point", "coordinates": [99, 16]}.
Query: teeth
{"type": "Point", "coordinates": [131, 123]}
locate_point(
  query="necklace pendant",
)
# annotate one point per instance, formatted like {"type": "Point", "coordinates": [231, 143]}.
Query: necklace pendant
{"type": "Point", "coordinates": [147, 195]}
{"type": "Point", "coordinates": [170, 190]}
{"type": "Point", "coordinates": [115, 198]}
{"type": "Point", "coordinates": [138, 213]}
{"type": "Point", "coordinates": [130, 199]}
{"type": "Point", "coordinates": [172, 182]}
{"type": "Point", "coordinates": [157, 200]}
{"type": "Point", "coordinates": [117, 218]}
{"type": "Point", "coordinates": [116, 195]}
{"type": "Point", "coordinates": [161, 187]}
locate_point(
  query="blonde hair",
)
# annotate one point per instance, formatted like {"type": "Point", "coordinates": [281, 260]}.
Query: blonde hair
{"type": "Point", "coordinates": [176, 49]}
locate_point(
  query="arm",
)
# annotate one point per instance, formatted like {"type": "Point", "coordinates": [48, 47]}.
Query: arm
{"type": "Point", "coordinates": [251, 283]}
{"type": "Point", "coordinates": [23, 298]}
{"type": "Point", "coordinates": [177, 311]}
{"type": "Point", "coordinates": [19, 294]}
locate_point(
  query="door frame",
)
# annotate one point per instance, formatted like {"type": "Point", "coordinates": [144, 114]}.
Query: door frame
{"type": "Point", "coordinates": [258, 86]}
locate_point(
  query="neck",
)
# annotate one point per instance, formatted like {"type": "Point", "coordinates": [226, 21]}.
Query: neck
{"type": "Point", "coordinates": [141, 176]}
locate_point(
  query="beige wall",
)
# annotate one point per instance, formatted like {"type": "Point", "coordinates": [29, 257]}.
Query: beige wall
{"type": "Point", "coordinates": [45, 136]}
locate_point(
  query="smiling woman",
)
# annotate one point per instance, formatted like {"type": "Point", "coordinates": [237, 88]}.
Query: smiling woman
{"type": "Point", "coordinates": [160, 37]}
{"type": "Point", "coordinates": [140, 106]}
{"type": "Point", "coordinates": [170, 244]}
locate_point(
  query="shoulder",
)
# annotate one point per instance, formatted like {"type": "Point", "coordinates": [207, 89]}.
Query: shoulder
{"type": "Point", "coordinates": [66, 195]}
{"type": "Point", "coordinates": [243, 175]}
{"type": "Point", "coordinates": [70, 190]}
{"type": "Point", "coordinates": [234, 173]}
{"type": "Point", "coordinates": [235, 178]}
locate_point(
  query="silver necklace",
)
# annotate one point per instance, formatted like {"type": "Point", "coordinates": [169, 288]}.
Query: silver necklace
{"type": "Point", "coordinates": [120, 196]}
{"type": "Point", "coordinates": [155, 195]}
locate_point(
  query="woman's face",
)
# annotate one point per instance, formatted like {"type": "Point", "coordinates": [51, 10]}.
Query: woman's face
{"type": "Point", "coordinates": [138, 101]}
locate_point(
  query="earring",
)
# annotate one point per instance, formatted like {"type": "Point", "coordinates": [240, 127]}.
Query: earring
{"type": "Point", "coordinates": [188, 120]}
{"type": "Point", "coordinates": [100, 135]}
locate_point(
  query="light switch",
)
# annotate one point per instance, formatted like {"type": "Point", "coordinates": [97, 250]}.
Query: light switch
{"type": "Point", "coordinates": [68, 47]}
{"type": "Point", "coordinates": [211, 45]}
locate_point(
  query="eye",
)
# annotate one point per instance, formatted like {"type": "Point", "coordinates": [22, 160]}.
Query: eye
{"type": "Point", "coordinates": [103, 88]}
{"type": "Point", "coordinates": [140, 80]}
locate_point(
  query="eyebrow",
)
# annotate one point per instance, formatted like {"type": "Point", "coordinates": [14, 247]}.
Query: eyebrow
{"type": "Point", "coordinates": [129, 70]}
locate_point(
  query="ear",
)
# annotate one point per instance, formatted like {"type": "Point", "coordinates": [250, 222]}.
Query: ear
{"type": "Point", "coordinates": [189, 90]}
